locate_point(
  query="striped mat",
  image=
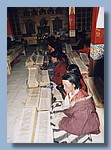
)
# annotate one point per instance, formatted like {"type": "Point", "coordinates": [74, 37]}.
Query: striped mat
{"type": "Point", "coordinates": [61, 136]}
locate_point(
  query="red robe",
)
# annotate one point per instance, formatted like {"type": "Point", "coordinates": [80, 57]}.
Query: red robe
{"type": "Point", "coordinates": [84, 87]}
{"type": "Point", "coordinates": [84, 50]}
{"type": "Point", "coordinates": [59, 71]}
{"type": "Point", "coordinates": [82, 117]}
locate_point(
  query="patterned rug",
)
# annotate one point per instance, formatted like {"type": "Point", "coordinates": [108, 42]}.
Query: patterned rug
{"type": "Point", "coordinates": [61, 136]}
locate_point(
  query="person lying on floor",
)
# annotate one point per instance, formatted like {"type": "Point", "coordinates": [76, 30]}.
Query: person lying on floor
{"type": "Point", "coordinates": [80, 116]}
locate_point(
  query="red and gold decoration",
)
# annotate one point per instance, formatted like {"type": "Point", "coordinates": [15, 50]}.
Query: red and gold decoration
{"type": "Point", "coordinates": [97, 36]}
{"type": "Point", "coordinates": [72, 21]}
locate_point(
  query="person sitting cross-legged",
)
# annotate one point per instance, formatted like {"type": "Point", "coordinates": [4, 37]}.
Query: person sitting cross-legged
{"type": "Point", "coordinates": [59, 67]}
{"type": "Point", "coordinates": [80, 113]}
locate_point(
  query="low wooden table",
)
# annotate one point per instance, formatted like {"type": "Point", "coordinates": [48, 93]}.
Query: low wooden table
{"type": "Point", "coordinates": [12, 54]}
{"type": "Point", "coordinates": [96, 88]}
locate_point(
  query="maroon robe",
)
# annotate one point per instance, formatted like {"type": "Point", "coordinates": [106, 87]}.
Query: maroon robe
{"type": "Point", "coordinates": [82, 117]}
{"type": "Point", "coordinates": [59, 71]}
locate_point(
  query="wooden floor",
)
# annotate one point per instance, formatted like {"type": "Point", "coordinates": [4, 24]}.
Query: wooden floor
{"type": "Point", "coordinates": [17, 97]}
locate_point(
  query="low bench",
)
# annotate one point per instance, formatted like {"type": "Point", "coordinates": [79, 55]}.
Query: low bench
{"type": "Point", "coordinates": [13, 53]}
{"type": "Point", "coordinates": [96, 88]}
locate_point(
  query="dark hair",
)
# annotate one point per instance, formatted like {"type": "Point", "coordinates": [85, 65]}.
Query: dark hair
{"type": "Point", "coordinates": [73, 68]}
{"type": "Point", "coordinates": [56, 54]}
{"type": "Point", "coordinates": [51, 41]}
{"type": "Point", "coordinates": [52, 44]}
{"type": "Point", "coordinates": [72, 78]}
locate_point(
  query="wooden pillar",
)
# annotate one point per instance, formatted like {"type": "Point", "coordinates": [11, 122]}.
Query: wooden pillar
{"type": "Point", "coordinates": [96, 67]}
{"type": "Point", "coordinates": [9, 29]}
{"type": "Point", "coordinates": [72, 24]}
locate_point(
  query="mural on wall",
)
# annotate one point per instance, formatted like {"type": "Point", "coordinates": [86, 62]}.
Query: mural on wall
{"type": "Point", "coordinates": [30, 27]}
{"type": "Point", "coordinates": [34, 12]}
{"type": "Point", "coordinates": [43, 22]}
{"type": "Point", "coordinates": [57, 24]}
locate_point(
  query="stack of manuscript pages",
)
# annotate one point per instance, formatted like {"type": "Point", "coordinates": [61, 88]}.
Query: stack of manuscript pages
{"type": "Point", "coordinates": [83, 68]}
{"type": "Point", "coordinates": [72, 56]}
{"type": "Point", "coordinates": [41, 100]}
{"type": "Point", "coordinates": [43, 132]}
{"type": "Point", "coordinates": [44, 80]}
{"type": "Point", "coordinates": [75, 55]}
{"type": "Point", "coordinates": [38, 77]}
{"type": "Point", "coordinates": [39, 59]}
{"type": "Point", "coordinates": [45, 99]}
{"type": "Point", "coordinates": [34, 92]}
{"type": "Point", "coordinates": [96, 88]}
{"type": "Point", "coordinates": [33, 78]}
{"type": "Point", "coordinates": [46, 59]}
{"type": "Point", "coordinates": [33, 97]}
{"type": "Point", "coordinates": [84, 58]}
{"type": "Point", "coordinates": [34, 60]}
{"type": "Point", "coordinates": [27, 124]}
{"type": "Point", "coordinates": [29, 62]}
{"type": "Point", "coordinates": [33, 57]}
{"type": "Point", "coordinates": [34, 125]}
{"type": "Point", "coordinates": [57, 94]}
{"type": "Point", "coordinates": [68, 48]}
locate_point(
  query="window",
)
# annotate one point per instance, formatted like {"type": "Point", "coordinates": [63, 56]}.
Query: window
{"type": "Point", "coordinates": [42, 11]}
{"type": "Point", "coordinates": [26, 12]}
{"type": "Point", "coordinates": [83, 18]}
{"type": "Point", "coordinates": [34, 12]}
{"type": "Point", "coordinates": [50, 10]}
{"type": "Point", "coordinates": [58, 10]}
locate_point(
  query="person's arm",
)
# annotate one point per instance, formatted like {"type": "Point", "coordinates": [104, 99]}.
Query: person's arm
{"type": "Point", "coordinates": [84, 87]}
{"type": "Point", "coordinates": [81, 50]}
{"type": "Point", "coordinates": [58, 74]}
{"type": "Point", "coordinates": [75, 121]}
{"type": "Point", "coordinates": [62, 72]}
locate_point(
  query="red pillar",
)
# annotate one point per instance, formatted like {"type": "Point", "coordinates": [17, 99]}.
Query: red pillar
{"type": "Point", "coordinates": [71, 21]}
{"type": "Point", "coordinates": [9, 29]}
{"type": "Point", "coordinates": [97, 42]}
{"type": "Point", "coordinates": [10, 34]}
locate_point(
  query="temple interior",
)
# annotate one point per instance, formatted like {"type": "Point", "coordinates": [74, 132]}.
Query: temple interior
{"type": "Point", "coordinates": [33, 99]}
